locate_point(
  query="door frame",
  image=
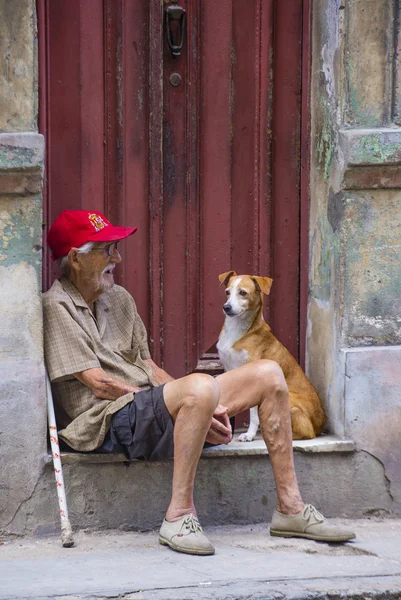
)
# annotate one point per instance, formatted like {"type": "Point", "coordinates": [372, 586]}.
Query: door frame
{"type": "Point", "coordinates": [292, 58]}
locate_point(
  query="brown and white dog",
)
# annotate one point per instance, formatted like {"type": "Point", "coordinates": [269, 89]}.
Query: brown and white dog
{"type": "Point", "coordinates": [246, 336]}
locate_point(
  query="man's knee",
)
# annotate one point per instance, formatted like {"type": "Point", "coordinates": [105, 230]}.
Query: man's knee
{"type": "Point", "coordinates": [203, 391]}
{"type": "Point", "coordinates": [269, 375]}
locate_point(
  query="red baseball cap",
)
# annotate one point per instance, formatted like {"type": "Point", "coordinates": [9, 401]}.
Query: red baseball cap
{"type": "Point", "coordinates": [74, 228]}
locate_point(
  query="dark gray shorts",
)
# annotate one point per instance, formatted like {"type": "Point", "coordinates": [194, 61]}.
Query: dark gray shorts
{"type": "Point", "coordinates": [142, 429]}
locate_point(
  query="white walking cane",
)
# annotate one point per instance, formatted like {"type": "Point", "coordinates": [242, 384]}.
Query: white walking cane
{"type": "Point", "coordinates": [66, 532]}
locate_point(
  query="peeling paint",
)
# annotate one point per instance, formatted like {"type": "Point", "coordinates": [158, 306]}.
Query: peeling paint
{"type": "Point", "coordinates": [367, 62]}
{"type": "Point", "coordinates": [375, 148]}
{"type": "Point", "coordinates": [327, 108]}
{"type": "Point", "coordinates": [326, 249]}
{"type": "Point", "coordinates": [373, 409]}
{"type": "Point", "coordinates": [335, 210]}
{"type": "Point", "coordinates": [372, 275]}
{"type": "Point", "coordinates": [20, 229]}
{"type": "Point", "coordinates": [17, 66]}
{"type": "Point", "coordinates": [326, 143]}
{"type": "Point", "coordinates": [358, 105]}
{"type": "Point", "coordinates": [17, 158]}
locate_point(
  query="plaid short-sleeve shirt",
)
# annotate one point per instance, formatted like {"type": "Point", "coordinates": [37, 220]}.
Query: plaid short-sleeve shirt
{"type": "Point", "coordinates": [113, 338]}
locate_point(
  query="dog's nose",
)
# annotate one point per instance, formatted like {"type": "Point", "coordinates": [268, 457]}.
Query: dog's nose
{"type": "Point", "coordinates": [227, 308]}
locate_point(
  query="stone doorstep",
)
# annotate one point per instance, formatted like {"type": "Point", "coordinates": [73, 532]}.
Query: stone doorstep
{"type": "Point", "coordinates": [322, 444]}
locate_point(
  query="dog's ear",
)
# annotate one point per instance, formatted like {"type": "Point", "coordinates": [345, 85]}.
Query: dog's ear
{"type": "Point", "coordinates": [263, 283]}
{"type": "Point", "coordinates": [225, 277]}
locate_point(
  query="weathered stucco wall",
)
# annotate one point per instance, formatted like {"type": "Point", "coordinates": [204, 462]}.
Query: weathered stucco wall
{"type": "Point", "coordinates": [322, 362]}
{"type": "Point", "coordinates": [367, 62]}
{"type": "Point", "coordinates": [355, 221]}
{"type": "Point", "coordinates": [371, 239]}
{"type": "Point", "coordinates": [22, 393]}
{"type": "Point", "coordinates": [373, 408]}
{"type": "Point", "coordinates": [18, 59]}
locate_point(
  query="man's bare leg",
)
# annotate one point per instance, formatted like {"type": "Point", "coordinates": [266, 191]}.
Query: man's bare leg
{"type": "Point", "coordinates": [191, 402]}
{"type": "Point", "coordinates": [261, 383]}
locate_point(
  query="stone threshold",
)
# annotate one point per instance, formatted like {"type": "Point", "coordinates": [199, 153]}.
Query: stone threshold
{"type": "Point", "coordinates": [322, 444]}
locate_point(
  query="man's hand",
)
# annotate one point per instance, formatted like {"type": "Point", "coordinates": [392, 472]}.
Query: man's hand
{"type": "Point", "coordinates": [159, 376]}
{"type": "Point", "coordinates": [220, 431]}
{"type": "Point", "coordinates": [103, 386]}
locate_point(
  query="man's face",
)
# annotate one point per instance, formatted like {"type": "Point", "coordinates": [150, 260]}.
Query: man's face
{"type": "Point", "coordinates": [97, 266]}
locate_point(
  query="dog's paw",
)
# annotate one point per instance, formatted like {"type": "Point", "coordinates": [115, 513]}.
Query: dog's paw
{"type": "Point", "coordinates": [245, 437]}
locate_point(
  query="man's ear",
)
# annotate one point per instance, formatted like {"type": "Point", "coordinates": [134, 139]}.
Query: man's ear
{"type": "Point", "coordinates": [73, 260]}
{"type": "Point", "coordinates": [264, 283]}
{"type": "Point", "coordinates": [225, 277]}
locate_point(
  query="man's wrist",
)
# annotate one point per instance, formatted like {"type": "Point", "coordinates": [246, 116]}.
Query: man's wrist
{"type": "Point", "coordinates": [159, 375]}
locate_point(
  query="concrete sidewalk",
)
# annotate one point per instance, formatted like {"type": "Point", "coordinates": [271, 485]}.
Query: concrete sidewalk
{"type": "Point", "coordinates": [248, 564]}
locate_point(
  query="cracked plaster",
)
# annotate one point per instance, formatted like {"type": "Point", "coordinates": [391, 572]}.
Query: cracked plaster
{"type": "Point", "coordinates": [373, 407]}
{"type": "Point", "coordinates": [354, 250]}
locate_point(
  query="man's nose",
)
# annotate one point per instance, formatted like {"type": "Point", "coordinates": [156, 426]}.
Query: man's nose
{"type": "Point", "coordinates": [116, 256]}
{"type": "Point", "coordinates": [227, 307]}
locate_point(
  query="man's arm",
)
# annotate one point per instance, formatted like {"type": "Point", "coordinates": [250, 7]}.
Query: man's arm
{"type": "Point", "coordinates": [108, 388]}
{"type": "Point", "coordinates": [103, 386]}
{"type": "Point", "coordinates": [159, 376]}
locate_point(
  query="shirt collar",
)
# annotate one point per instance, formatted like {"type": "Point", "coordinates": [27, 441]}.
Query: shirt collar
{"type": "Point", "coordinates": [103, 300]}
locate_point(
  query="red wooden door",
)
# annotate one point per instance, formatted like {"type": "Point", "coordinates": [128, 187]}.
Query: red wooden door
{"type": "Point", "coordinates": [209, 171]}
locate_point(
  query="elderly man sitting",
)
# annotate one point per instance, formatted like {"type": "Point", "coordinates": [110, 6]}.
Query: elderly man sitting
{"type": "Point", "coordinates": [111, 397]}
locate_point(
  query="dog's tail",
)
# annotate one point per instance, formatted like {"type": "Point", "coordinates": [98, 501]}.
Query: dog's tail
{"type": "Point", "coordinates": [302, 428]}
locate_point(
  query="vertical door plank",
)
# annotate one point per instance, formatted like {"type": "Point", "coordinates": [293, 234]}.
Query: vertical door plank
{"type": "Point", "coordinates": [156, 176]}
{"type": "Point", "coordinates": [135, 75]}
{"type": "Point", "coordinates": [175, 142]}
{"type": "Point", "coordinates": [245, 148]}
{"type": "Point", "coordinates": [263, 168]}
{"type": "Point", "coordinates": [215, 168]}
{"type": "Point", "coordinates": [181, 201]}
{"type": "Point", "coordinates": [192, 252]}
{"type": "Point", "coordinates": [286, 172]}
{"type": "Point", "coordinates": [75, 140]}
{"type": "Point", "coordinates": [113, 122]}
{"type": "Point", "coordinates": [92, 112]}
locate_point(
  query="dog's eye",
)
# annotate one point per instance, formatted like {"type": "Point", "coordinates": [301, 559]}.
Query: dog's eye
{"type": "Point", "coordinates": [227, 292]}
{"type": "Point", "coordinates": [243, 293]}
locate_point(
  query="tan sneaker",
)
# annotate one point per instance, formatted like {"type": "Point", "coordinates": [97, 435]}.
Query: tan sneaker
{"type": "Point", "coordinates": [308, 524]}
{"type": "Point", "coordinates": [185, 535]}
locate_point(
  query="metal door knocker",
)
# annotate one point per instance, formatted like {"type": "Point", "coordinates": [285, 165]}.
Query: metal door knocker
{"type": "Point", "coordinates": [176, 18]}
